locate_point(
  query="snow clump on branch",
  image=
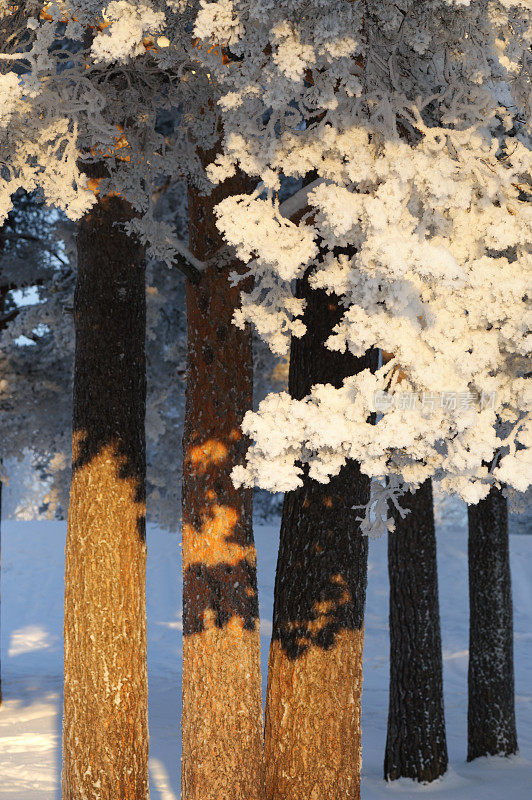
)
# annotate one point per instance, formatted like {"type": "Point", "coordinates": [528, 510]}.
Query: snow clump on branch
{"type": "Point", "coordinates": [413, 122]}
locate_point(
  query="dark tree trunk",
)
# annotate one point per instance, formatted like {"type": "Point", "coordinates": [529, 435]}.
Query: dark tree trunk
{"type": "Point", "coordinates": [491, 711]}
{"type": "Point", "coordinates": [222, 710]}
{"type": "Point", "coordinates": [105, 730]}
{"type": "Point", "coordinates": [313, 734]}
{"type": "Point", "coordinates": [416, 745]}
{"type": "Point", "coordinates": [1, 696]}
{"type": "Point", "coordinates": [3, 292]}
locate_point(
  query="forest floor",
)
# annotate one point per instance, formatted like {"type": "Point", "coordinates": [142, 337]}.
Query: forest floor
{"type": "Point", "coordinates": [32, 610]}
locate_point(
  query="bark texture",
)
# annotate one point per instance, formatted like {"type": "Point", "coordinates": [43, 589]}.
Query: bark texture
{"type": "Point", "coordinates": [105, 729]}
{"type": "Point", "coordinates": [222, 711]}
{"type": "Point", "coordinates": [1, 696]}
{"type": "Point", "coordinates": [416, 745]}
{"type": "Point", "coordinates": [491, 710]}
{"type": "Point", "coordinates": [3, 293]}
{"type": "Point", "coordinates": [313, 734]}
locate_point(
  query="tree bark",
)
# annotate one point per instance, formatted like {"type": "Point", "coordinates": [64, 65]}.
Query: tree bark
{"type": "Point", "coordinates": [313, 733]}
{"type": "Point", "coordinates": [416, 745]}
{"type": "Point", "coordinates": [3, 293]}
{"type": "Point", "coordinates": [222, 710]}
{"type": "Point", "coordinates": [491, 726]}
{"type": "Point", "coordinates": [1, 483]}
{"type": "Point", "coordinates": [105, 727]}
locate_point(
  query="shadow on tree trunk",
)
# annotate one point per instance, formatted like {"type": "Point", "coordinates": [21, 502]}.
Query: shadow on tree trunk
{"type": "Point", "coordinates": [105, 727]}
{"type": "Point", "coordinates": [222, 708]}
{"type": "Point", "coordinates": [313, 733]}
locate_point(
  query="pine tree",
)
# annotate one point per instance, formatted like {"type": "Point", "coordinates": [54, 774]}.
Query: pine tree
{"type": "Point", "coordinates": [416, 745]}
{"type": "Point", "coordinates": [105, 733]}
{"type": "Point", "coordinates": [313, 733]}
{"type": "Point", "coordinates": [222, 710]}
{"type": "Point", "coordinates": [491, 726]}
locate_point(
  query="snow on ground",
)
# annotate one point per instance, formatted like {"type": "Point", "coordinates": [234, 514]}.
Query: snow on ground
{"type": "Point", "coordinates": [32, 600]}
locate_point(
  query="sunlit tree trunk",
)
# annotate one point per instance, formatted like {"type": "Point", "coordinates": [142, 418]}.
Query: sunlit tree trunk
{"type": "Point", "coordinates": [491, 726]}
{"type": "Point", "coordinates": [222, 712]}
{"type": "Point", "coordinates": [105, 730]}
{"type": "Point", "coordinates": [313, 733]}
{"type": "Point", "coordinates": [416, 745]}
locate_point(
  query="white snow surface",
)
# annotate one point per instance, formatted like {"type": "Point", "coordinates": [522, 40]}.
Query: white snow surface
{"type": "Point", "coordinates": [32, 607]}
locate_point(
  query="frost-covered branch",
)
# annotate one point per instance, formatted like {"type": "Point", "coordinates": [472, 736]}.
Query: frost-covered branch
{"type": "Point", "coordinates": [299, 200]}
{"type": "Point", "coordinates": [415, 122]}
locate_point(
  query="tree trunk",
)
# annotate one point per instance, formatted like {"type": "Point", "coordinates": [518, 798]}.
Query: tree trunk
{"type": "Point", "coordinates": [1, 696]}
{"type": "Point", "coordinates": [3, 293]}
{"type": "Point", "coordinates": [105, 727]}
{"type": "Point", "coordinates": [491, 711]}
{"type": "Point", "coordinates": [416, 745]}
{"type": "Point", "coordinates": [313, 734]}
{"type": "Point", "coordinates": [222, 710]}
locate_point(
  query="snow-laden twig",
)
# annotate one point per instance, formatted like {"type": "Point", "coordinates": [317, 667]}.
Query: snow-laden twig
{"type": "Point", "coordinates": [299, 200]}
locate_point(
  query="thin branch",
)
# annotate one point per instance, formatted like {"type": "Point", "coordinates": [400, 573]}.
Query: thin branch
{"type": "Point", "coordinates": [299, 200]}
{"type": "Point", "coordinates": [8, 318]}
{"type": "Point", "coordinates": [28, 237]}
{"type": "Point", "coordinates": [188, 269]}
{"type": "Point", "coordinates": [190, 257]}
{"type": "Point", "coordinates": [187, 262]}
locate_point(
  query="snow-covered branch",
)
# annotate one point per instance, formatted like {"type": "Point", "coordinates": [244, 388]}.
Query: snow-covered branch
{"type": "Point", "coordinates": [298, 201]}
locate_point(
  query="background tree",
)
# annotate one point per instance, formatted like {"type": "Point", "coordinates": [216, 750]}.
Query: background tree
{"type": "Point", "coordinates": [416, 745]}
{"type": "Point", "coordinates": [32, 388]}
{"type": "Point", "coordinates": [491, 726]}
{"type": "Point", "coordinates": [36, 365]}
{"type": "Point", "coordinates": [166, 355]}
